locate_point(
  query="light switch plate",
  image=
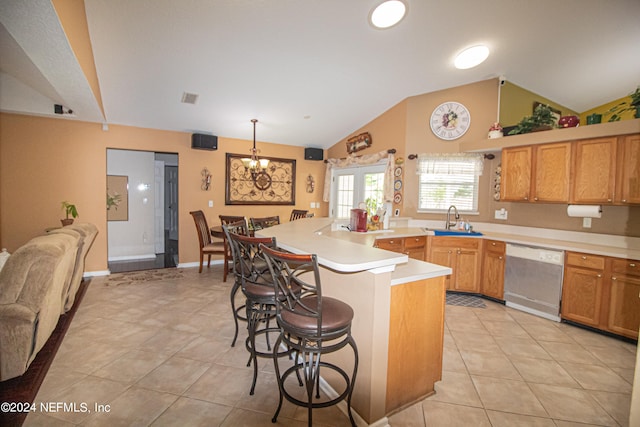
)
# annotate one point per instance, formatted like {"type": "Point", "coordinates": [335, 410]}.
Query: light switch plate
{"type": "Point", "coordinates": [586, 222]}
{"type": "Point", "coordinates": [501, 214]}
{"type": "Point", "coordinates": [210, 203]}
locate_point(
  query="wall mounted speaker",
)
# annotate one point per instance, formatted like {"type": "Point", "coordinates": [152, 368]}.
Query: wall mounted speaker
{"type": "Point", "coordinates": [200, 141]}
{"type": "Point", "coordinates": [313, 154]}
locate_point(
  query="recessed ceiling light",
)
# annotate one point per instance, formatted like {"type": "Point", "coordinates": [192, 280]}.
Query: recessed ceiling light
{"type": "Point", "coordinates": [387, 14]}
{"type": "Point", "coordinates": [471, 57]}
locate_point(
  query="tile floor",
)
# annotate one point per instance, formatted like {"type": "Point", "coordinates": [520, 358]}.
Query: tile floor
{"type": "Point", "coordinates": [158, 354]}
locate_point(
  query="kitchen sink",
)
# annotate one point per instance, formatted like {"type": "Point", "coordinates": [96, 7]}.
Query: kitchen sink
{"type": "Point", "coordinates": [461, 233]}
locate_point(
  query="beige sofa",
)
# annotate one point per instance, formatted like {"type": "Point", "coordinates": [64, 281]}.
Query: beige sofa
{"type": "Point", "coordinates": [36, 283]}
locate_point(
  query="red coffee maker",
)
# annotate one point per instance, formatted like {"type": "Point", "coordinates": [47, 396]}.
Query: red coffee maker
{"type": "Point", "coordinates": [358, 220]}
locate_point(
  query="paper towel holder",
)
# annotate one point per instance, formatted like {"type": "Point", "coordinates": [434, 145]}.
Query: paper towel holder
{"type": "Point", "coordinates": [584, 211]}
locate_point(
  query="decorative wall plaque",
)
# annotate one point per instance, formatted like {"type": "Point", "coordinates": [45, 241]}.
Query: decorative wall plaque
{"type": "Point", "coordinates": [274, 186]}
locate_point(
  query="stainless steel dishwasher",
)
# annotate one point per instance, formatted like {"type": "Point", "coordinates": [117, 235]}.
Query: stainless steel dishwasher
{"type": "Point", "coordinates": [533, 280]}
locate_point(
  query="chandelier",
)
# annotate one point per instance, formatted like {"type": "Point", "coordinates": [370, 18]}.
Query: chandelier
{"type": "Point", "coordinates": [254, 165]}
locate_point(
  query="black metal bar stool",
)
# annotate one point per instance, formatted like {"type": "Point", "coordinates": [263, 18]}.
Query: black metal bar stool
{"type": "Point", "coordinates": [312, 326]}
{"type": "Point", "coordinates": [240, 228]}
{"type": "Point", "coordinates": [256, 283]}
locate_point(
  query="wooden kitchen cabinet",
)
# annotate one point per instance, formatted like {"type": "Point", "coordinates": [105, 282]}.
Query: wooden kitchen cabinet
{"type": "Point", "coordinates": [594, 171]}
{"type": "Point", "coordinates": [462, 255]}
{"type": "Point", "coordinates": [493, 263]}
{"type": "Point", "coordinates": [515, 183]}
{"type": "Point", "coordinates": [414, 246]}
{"type": "Point", "coordinates": [538, 173]}
{"type": "Point", "coordinates": [624, 300]}
{"type": "Point", "coordinates": [602, 292]}
{"type": "Point", "coordinates": [628, 180]}
{"type": "Point", "coordinates": [582, 289]}
{"type": "Point", "coordinates": [551, 172]}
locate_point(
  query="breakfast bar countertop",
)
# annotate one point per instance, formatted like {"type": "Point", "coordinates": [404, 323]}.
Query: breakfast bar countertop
{"type": "Point", "coordinates": [347, 252]}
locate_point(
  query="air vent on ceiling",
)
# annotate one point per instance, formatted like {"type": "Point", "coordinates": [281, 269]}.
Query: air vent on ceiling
{"type": "Point", "coordinates": [189, 98]}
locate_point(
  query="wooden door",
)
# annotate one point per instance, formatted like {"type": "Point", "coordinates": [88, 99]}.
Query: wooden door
{"type": "Point", "coordinates": [594, 171]}
{"type": "Point", "coordinates": [629, 167]}
{"type": "Point", "coordinates": [443, 255]}
{"type": "Point", "coordinates": [467, 265]}
{"type": "Point", "coordinates": [582, 295]}
{"type": "Point", "coordinates": [624, 306]}
{"type": "Point", "coordinates": [552, 163]}
{"type": "Point", "coordinates": [516, 174]}
{"type": "Point", "coordinates": [492, 278]}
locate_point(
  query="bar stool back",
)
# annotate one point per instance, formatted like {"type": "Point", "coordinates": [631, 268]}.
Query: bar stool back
{"type": "Point", "coordinates": [257, 286]}
{"type": "Point", "coordinates": [312, 325]}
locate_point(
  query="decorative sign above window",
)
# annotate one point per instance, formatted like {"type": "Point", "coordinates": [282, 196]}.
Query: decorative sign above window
{"type": "Point", "coordinates": [358, 142]}
{"type": "Point", "coordinates": [276, 185]}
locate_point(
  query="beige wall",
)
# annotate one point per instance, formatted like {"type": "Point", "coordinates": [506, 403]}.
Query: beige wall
{"type": "Point", "coordinates": [44, 161]}
{"type": "Point", "coordinates": [405, 127]}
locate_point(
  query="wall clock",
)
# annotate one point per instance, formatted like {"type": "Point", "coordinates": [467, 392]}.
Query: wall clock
{"type": "Point", "coordinates": [450, 120]}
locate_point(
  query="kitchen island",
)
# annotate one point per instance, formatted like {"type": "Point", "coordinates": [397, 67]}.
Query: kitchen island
{"type": "Point", "coordinates": [399, 314]}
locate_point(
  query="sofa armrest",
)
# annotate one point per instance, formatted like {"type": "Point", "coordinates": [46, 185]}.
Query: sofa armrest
{"type": "Point", "coordinates": [18, 326]}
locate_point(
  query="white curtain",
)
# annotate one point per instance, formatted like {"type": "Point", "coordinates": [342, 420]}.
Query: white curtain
{"type": "Point", "coordinates": [367, 159]}
{"type": "Point", "coordinates": [449, 163]}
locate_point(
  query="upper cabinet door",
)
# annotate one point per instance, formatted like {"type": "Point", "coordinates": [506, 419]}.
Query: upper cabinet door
{"type": "Point", "coordinates": [552, 171]}
{"type": "Point", "coordinates": [629, 167]}
{"type": "Point", "coordinates": [516, 174]}
{"type": "Point", "coordinates": [594, 171]}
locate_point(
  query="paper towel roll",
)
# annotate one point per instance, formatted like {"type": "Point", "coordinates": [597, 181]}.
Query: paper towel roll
{"type": "Point", "coordinates": [585, 211]}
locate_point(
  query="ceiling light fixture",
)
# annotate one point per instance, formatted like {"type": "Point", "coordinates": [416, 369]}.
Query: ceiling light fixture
{"type": "Point", "coordinates": [255, 165]}
{"type": "Point", "coordinates": [471, 57]}
{"type": "Point", "coordinates": [387, 14]}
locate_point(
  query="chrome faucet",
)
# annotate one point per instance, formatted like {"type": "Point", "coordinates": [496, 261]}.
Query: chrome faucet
{"type": "Point", "coordinates": [448, 224]}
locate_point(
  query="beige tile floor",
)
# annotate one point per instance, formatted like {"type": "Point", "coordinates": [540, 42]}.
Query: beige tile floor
{"type": "Point", "coordinates": [158, 354]}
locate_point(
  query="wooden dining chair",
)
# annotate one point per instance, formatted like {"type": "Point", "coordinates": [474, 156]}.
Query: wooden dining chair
{"type": "Point", "coordinates": [225, 220]}
{"type": "Point", "coordinates": [297, 214]}
{"type": "Point", "coordinates": [208, 246]}
{"type": "Point", "coordinates": [264, 222]}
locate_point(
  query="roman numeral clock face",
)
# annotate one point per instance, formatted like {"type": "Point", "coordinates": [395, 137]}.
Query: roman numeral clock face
{"type": "Point", "coordinates": [450, 120]}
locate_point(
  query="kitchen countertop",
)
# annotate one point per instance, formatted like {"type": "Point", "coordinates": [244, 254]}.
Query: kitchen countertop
{"type": "Point", "coordinates": [348, 252]}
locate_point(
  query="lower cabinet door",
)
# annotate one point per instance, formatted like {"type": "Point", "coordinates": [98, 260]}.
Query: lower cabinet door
{"type": "Point", "coordinates": [624, 308]}
{"type": "Point", "coordinates": [582, 296]}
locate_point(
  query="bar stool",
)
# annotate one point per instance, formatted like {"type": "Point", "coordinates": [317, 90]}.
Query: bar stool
{"type": "Point", "coordinates": [311, 325]}
{"type": "Point", "coordinates": [257, 286]}
{"type": "Point", "coordinates": [238, 227]}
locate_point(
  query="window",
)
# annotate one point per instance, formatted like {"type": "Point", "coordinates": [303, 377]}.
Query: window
{"type": "Point", "coordinates": [353, 185]}
{"type": "Point", "coordinates": [448, 179]}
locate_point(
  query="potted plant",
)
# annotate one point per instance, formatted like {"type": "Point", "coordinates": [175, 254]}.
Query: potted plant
{"type": "Point", "coordinates": [70, 210]}
{"type": "Point", "coordinates": [542, 119]}
{"type": "Point", "coordinates": [625, 106]}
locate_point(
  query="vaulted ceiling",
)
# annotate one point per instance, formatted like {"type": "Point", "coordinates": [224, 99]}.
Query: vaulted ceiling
{"type": "Point", "coordinates": [312, 71]}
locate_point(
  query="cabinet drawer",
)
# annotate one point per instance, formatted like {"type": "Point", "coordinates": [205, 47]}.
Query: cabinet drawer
{"type": "Point", "coordinates": [389, 244]}
{"type": "Point", "coordinates": [495, 246]}
{"type": "Point", "coordinates": [415, 242]}
{"type": "Point", "coordinates": [585, 260]}
{"type": "Point", "coordinates": [456, 242]}
{"type": "Point", "coordinates": [626, 266]}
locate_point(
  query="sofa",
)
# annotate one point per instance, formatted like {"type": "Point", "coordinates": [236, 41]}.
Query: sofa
{"type": "Point", "coordinates": [38, 281]}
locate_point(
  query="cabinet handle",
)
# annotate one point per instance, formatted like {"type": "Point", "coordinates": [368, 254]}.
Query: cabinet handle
{"type": "Point", "coordinates": [535, 198]}
{"type": "Point", "coordinates": [583, 258]}
{"type": "Point", "coordinates": [499, 257]}
{"type": "Point", "coordinates": [493, 243]}
{"type": "Point", "coordinates": [600, 275]}
{"type": "Point", "coordinates": [624, 200]}
{"type": "Point", "coordinates": [632, 265]}
{"type": "Point", "coordinates": [526, 198]}
{"type": "Point", "coordinates": [608, 200]}
{"type": "Point", "coordinates": [614, 278]}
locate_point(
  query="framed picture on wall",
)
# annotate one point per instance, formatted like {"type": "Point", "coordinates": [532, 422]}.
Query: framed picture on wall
{"type": "Point", "coordinates": [117, 198]}
{"type": "Point", "coordinates": [276, 185]}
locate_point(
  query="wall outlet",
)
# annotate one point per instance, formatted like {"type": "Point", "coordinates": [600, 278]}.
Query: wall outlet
{"type": "Point", "coordinates": [210, 203]}
{"type": "Point", "coordinates": [586, 222]}
{"type": "Point", "coordinates": [501, 214]}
